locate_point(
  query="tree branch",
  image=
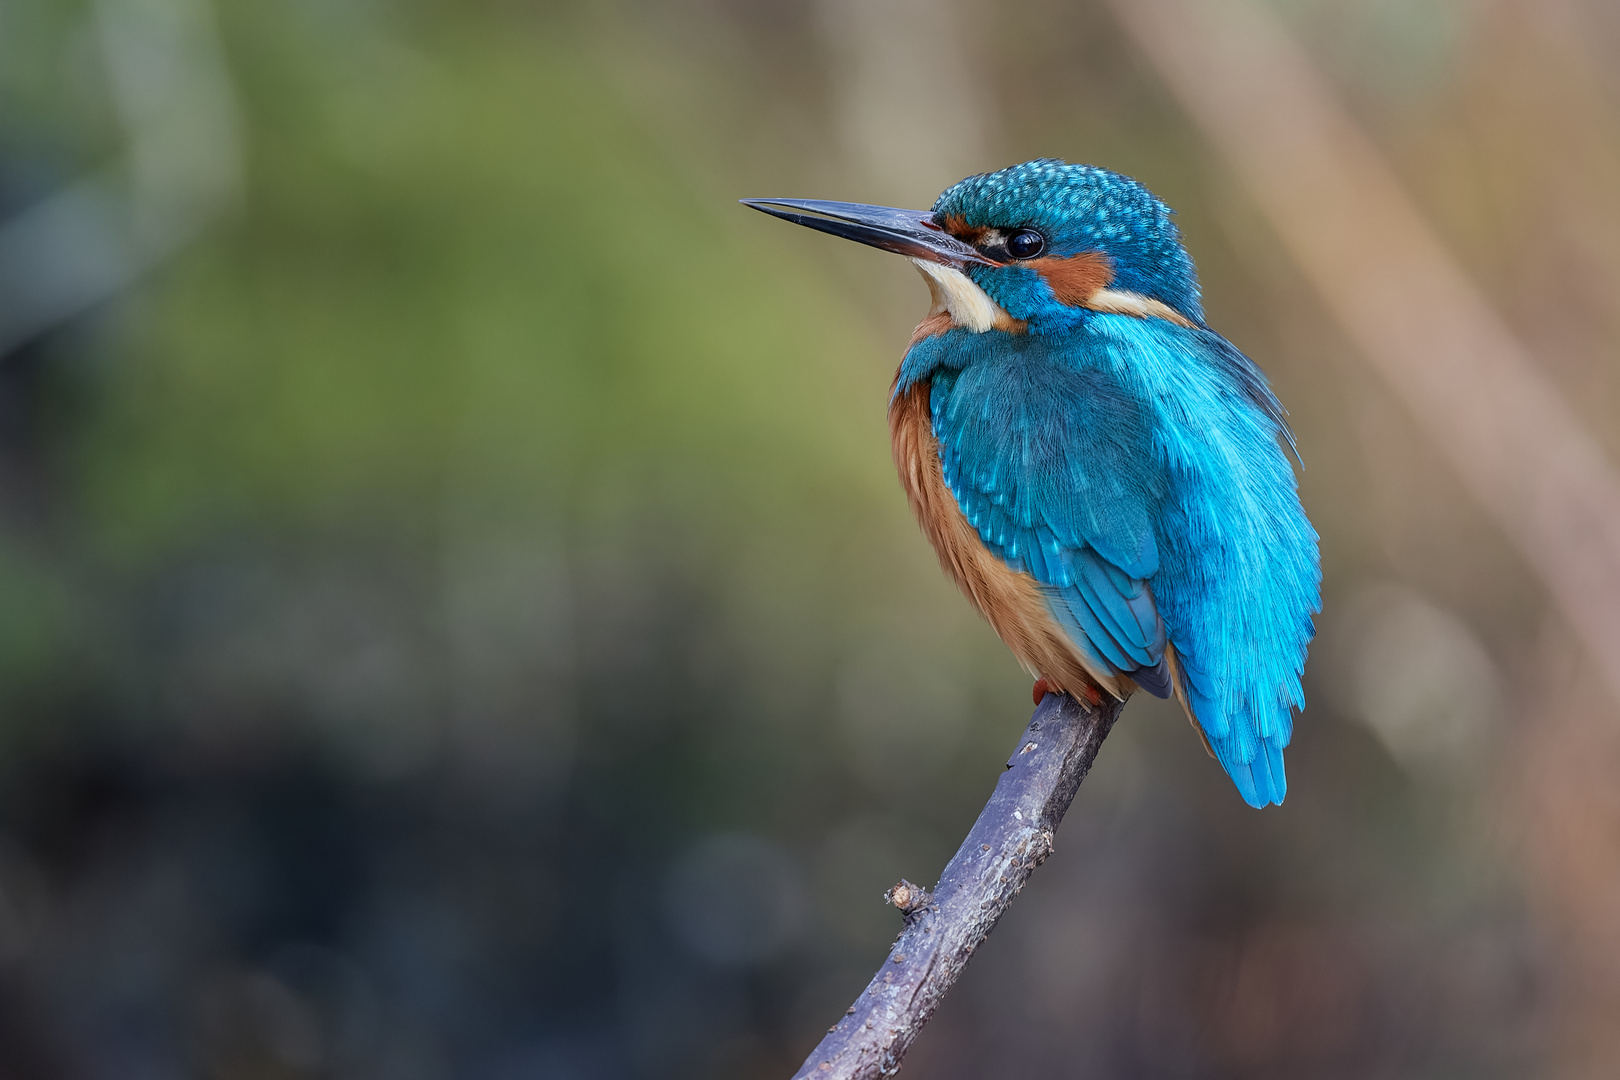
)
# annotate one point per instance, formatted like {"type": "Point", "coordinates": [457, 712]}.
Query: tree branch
{"type": "Point", "coordinates": [1011, 838]}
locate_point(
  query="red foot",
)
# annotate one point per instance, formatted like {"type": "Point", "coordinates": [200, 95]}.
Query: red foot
{"type": "Point", "coordinates": [1088, 693]}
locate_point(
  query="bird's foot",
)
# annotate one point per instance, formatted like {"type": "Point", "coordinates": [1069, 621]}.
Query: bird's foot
{"type": "Point", "coordinates": [1087, 692]}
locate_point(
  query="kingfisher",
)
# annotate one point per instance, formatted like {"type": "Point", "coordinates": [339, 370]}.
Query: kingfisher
{"type": "Point", "coordinates": [1101, 473]}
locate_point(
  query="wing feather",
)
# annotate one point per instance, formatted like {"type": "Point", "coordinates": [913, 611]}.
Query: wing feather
{"type": "Point", "coordinates": [1035, 463]}
{"type": "Point", "coordinates": [1133, 470]}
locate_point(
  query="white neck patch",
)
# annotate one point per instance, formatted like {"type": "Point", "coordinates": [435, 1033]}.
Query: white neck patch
{"type": "Point", "coordinates": [953, 291]}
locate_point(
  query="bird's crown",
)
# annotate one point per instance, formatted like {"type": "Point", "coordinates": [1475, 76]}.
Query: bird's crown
{"type": "Point", "coordinates": [1078, 209]}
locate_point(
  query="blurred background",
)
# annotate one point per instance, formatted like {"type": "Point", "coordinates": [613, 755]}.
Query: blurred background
{"type": "Point", "coordinates": [458, 619]}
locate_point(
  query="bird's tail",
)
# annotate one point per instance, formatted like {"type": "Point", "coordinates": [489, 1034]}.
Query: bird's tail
{"type": "Point", "coordinates": [1253, 761]}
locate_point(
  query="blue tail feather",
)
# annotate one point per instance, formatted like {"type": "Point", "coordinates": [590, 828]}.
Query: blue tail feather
{"type": "Point", "coordinates": [1243, 776]}
{"type": "Point", "coordinates": [1253, 761]}
{"type": "Point", "coordinates": [1262, 780]}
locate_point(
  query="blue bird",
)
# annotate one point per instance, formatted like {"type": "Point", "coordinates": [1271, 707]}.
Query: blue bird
{"type": "Point", "coordinates": [1100, 472]}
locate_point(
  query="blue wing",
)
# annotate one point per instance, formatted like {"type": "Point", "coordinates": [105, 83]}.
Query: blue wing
{"type": "Point", "coordinates": [1050, 464]}
{"type": "Point", "coordinates": [1135, 471]}
{"type": "Point", "coordinates": [1240, 575]}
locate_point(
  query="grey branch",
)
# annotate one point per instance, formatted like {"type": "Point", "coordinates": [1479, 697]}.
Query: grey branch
{"type": "Point", "coordinates": [1012, 836]}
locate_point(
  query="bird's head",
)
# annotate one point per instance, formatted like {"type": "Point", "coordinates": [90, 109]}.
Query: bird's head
{"type": "Point", "coordinates": [1035, 246]}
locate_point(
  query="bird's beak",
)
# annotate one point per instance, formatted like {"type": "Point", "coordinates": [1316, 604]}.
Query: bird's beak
{"type": "Point", "coordinates": [904, 232]}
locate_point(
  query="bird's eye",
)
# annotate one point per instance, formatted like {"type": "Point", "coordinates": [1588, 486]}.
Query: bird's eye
{"type": "Point", "coordinates": [1026, 244]}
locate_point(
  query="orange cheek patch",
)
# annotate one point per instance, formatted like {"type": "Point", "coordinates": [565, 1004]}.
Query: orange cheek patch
{"type": "Point", "coordinates": [1076, 279]}
{"type": "Point", "coordinates": [958, 227]}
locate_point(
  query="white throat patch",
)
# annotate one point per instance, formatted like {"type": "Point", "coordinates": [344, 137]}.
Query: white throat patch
{"type": "Point", "coordinates": [955, 292]}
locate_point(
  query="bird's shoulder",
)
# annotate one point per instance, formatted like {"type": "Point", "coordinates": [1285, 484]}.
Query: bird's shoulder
{"type": "Point", "coordinates": [1033, 436]}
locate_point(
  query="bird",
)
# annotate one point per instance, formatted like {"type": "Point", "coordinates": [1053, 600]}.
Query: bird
{"type": "Point", "coordinates": [1102, 474]}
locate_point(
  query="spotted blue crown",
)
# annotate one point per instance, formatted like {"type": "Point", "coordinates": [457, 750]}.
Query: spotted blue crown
{"type": "Point", "coordinates": [1083, 208]}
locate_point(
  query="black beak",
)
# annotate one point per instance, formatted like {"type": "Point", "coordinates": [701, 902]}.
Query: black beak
{"type": "Point", "coordinates": [904, 232]}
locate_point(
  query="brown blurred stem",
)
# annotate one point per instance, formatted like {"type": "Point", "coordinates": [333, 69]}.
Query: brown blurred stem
{"type": "Point", "coordinates": [1012, 836]}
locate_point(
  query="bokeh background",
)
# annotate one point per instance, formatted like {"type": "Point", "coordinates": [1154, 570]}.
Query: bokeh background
{"type": "Point", "coordinates": [458, 619]}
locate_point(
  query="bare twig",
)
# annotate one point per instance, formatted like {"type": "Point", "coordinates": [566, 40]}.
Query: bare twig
{"type": "Point", "coordinates": [1011, 838]}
